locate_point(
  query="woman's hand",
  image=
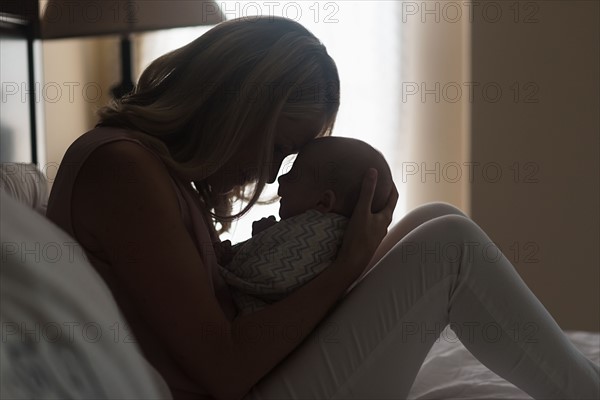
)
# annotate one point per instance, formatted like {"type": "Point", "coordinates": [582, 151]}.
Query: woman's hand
{"type": "Point", "coordinates": [262, 224]}
{"type": "Point", "coordinates": [366, 230]}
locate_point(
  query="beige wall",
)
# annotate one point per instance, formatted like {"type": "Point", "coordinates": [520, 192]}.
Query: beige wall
{"type": "Point", "coordinates": [77, 75]}
{"type": "Point", "coordinates": [550, 212]}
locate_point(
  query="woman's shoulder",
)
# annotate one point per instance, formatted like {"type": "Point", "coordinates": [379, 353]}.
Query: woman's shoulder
{"type": "Point", "coordinates": [121, 185]}
{"type": "Point", "coordinates": [114, 162]}
{"type": "Point", "coordinates": [77, 159]}
{"type": "Point", "coordinates": [127, 151]}
{"type": "Point", "coordinates": [86, 144]}
{"type": "Point", "coordinates": [125, 164]}
{"type": "Point", "coordinates": [102, 133]}
{"type": "Point", "coordinates": [108, 146]}
{"type": "Point", "coordinates": [101, 151]}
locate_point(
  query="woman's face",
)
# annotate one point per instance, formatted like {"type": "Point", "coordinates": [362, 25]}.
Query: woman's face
{"type": "Point", "coordinates": [291, 136]}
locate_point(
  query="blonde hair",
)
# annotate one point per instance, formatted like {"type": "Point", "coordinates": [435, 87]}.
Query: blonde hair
{"type": "Point", "coordinates": [197, 104]}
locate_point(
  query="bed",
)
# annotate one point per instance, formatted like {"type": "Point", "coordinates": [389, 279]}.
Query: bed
{"type": "Point", "coordinates": [449, 370]}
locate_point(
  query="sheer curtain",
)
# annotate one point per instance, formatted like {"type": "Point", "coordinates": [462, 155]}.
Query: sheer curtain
{"type": "Point", "coordinates": [363, 37]}
{"type": "Point", "coordinates": [436, 100]}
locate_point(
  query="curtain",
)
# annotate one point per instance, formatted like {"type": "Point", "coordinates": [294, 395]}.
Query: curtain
{"type": "Point", "coordinates": [436, 101]}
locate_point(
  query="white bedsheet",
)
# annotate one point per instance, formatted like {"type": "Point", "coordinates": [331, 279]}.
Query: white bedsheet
{"type": "Point", "coordinates": [450, 371]}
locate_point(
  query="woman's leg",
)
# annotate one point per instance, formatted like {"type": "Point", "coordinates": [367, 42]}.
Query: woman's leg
{"type": "Point", "coordinates": [409, 222]}
{"type": "Point", "coordinates": [446, 271]}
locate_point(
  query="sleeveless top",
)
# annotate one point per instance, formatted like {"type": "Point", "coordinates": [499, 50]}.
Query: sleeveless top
{"type": "Point", "coordinates": [196, 222]}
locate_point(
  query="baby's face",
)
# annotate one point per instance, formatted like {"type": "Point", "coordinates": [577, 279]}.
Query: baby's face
{"type": "Point", "coordinates": [298, 189]}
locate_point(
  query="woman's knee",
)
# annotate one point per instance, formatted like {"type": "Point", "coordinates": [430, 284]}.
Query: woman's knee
{"type": "Point", "coordinates": [444, 229]}
{"type": "Point", "coordinates": [440, 241]}
{"type": "Point", "coordinates": [419, 216]}
{"type": "Point", "coordinates": [438, 209]}
{"type": "Point", "coordinates": [413, 220]}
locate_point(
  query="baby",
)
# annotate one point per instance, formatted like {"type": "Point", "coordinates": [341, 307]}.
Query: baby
{"type": "Point", "coordinates": [318, 196]}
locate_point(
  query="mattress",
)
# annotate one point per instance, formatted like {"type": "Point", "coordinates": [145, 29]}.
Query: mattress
{"type": "Point", "coordinates": [450, 371]}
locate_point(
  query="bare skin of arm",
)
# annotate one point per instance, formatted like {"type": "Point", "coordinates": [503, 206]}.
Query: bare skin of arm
{"type": "Point", "coordinates": [138, 205]}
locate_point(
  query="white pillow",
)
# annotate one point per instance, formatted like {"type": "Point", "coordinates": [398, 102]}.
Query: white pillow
{"type": "Point", "coordinates": [25, 183]}
{"type": "Point", "coordinates": [62, 333]}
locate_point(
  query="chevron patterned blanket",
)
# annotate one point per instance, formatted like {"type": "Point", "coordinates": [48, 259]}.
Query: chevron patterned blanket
{"type": "Point", "coordinates": [278, 260]}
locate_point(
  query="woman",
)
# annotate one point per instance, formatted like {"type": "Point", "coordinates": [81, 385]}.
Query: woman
{"type": "Point", "coordinates": [223, 112]}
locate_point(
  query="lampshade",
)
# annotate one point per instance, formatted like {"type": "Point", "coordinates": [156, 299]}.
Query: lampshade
{"type": "Point", "coordinates": [54, 19]}
{"type": "Point", "coordinates": [68, 18]}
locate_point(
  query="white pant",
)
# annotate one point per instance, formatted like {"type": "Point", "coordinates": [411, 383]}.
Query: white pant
{"type": "Point", "coordinates": [445, 271]}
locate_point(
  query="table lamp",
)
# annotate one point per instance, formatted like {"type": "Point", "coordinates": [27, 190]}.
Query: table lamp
{"type": "Point", "coordinates": [58, 19]}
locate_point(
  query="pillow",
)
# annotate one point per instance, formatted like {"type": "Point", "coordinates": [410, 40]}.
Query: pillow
{"type": "Point", "coordinates": [63, 335]}
{"type": "Point", "coordinates": [25, 183]}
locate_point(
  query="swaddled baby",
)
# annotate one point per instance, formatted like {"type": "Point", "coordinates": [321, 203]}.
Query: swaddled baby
{"type": "Point", "coordinates": [318, 196]}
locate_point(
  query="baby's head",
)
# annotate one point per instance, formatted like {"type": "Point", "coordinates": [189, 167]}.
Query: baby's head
{"type": "Point", "coordinates": [328, 174]}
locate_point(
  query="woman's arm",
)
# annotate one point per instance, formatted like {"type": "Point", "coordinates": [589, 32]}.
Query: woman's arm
{"type": "Point", "coordinates": [164, 276]}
